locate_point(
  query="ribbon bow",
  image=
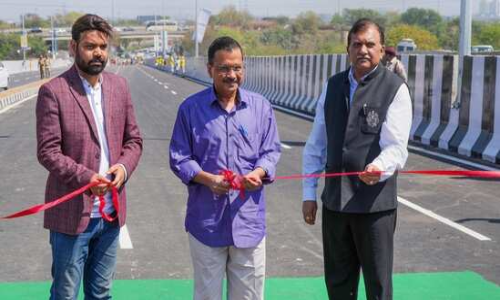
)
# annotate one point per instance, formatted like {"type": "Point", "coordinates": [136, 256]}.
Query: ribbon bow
{"type": "Point", "coordinates": [235, 181]}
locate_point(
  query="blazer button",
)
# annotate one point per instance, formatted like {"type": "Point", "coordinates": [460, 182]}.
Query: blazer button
{"type": "Point", "coordinates": [97, 155]}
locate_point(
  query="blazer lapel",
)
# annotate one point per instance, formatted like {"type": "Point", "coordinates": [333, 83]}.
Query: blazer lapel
{"type": "Point", "coordinates": [76, 88]}
{"type": "Point", "coordinates": [107, 94]}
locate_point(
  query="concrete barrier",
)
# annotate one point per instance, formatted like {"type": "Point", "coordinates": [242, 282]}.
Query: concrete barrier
{"type": "Point", "coordinates": [467, 126]}
{"type": "Point", "coordinates": [17, 94]}
{"type": "Point", "coordinates": [18, 66]}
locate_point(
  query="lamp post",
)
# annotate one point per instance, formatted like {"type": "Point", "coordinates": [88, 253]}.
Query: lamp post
{"type": "Point", "coordinates": [196, 29]}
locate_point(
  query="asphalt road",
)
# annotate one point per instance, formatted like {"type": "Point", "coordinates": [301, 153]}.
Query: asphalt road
{"type": "Point", "coordinates": [157, 200]}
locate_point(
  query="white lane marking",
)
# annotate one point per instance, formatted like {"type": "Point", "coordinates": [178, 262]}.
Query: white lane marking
{"type": "Point", "coordinates": [286, 146]}
{"type": "Point", "coordinates": [160, 83]}
{"type": "Point", "coordinates": [174, 92]}
{"type": "Point", "coordinates": [156, 80]}
{"type": "Point", "coordinates": [125, 241]}
{"type": "Point", "coordinates": [166, 87]}
{"type": "Point", "coordinates": [453, 159]}
{"type": "Point", "coordinates": [443, 220]}
{"type": "Point", "coordinates": [18, 103]}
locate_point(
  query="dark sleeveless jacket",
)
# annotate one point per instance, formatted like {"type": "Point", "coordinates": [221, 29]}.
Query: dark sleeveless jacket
{"type": "Point", "coordinates": [353, 135]}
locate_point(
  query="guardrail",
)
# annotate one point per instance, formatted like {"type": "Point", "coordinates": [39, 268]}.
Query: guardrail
{"type": "Point", "coordinates": [468, 125]}
{"type": "Point", "coordinates": [17, 94]}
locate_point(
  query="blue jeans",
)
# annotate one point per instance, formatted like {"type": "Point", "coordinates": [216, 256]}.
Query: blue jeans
{"type": "Point", "coordinates": [92, 254]}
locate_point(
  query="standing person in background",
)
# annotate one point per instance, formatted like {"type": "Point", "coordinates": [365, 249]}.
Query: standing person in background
{"type": "Point", "coordinates": [362, 123]}
{"type": "Point", "coordinates": [225, 127]}
{"type": "Point", "coordinates": [41, 65]}
{"type": "Point", "coordinates": [47, 67]}
{"type": "Point", "coordinates": [86, 133]}
{"type": "Point", "coordinates": [393, 64]}
{"type": "Point", "coordinates": [182, 63]}
{"type": "Point", "coordinates": [171, 62]}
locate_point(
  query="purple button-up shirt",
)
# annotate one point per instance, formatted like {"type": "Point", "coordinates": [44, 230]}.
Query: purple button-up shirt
{"type": "Point", "coordinates": [207, 137]}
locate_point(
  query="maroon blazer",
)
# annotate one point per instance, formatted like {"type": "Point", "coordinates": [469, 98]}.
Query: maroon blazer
{"type": "Point", "coordinates": [68, 144]}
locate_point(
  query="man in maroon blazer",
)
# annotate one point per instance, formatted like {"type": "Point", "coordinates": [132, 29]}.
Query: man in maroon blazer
{"type": "Point", "coordinates": [86, 132]}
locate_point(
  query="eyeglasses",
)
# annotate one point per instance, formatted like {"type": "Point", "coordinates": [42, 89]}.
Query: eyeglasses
{"type": "Point", "coordinates": [227, 69]}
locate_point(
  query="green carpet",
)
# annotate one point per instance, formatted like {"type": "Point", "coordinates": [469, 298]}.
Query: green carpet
{"type": "Point", "coordinates": [420, 286]}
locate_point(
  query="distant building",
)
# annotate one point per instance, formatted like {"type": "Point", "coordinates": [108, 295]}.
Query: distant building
{"type": "Point", "coordinates": [489, 9]}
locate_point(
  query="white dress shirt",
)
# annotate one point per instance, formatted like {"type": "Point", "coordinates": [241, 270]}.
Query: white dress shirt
{"type": "Point", "coordinates": [393, 142]}
{"type": "Point", "coordinates": [94, 95]}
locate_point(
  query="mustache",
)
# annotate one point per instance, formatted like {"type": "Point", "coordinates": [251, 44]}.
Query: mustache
{"type": "Point", "coordinates": [96, 60]}
{"type": "Point", "coordinates": [230, 80]}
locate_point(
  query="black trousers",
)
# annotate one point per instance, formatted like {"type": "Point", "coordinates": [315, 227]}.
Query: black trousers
{"type": "Point", "coordinates": [354, 242]}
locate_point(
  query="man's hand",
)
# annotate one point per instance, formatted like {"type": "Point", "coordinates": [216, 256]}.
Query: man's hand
{"type": "Point", "coordinates": [119, 175]}
{"type": "Point", "coordinates": [99, 189]}
{"type": "Point", "coordinates": [253, 180]}
{"type": "Point", "coordinates": [218, 185]}
{"type": "Point", "coordinates": [309, 209]}
{"type": "Point", "coordinates": [371, 175]}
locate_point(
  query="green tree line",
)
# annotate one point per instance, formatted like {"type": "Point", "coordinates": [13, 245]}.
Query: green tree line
{"type": "Point", "coordinates": [309, 33]}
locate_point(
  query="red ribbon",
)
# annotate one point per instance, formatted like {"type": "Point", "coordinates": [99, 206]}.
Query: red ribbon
{"type": "Point", "coordinates": [462, 173]}
{"type": "Point", "coordinates": [236, 183]}
{"type": "Point", "coordinates": [41, 207]}
{"type": "Point", "coordinates": [236, 180]}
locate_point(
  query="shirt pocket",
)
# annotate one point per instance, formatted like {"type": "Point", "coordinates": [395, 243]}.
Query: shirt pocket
{"type": "Point", "coordinates": [371, 119]}
{"type": "Point", "coordinates": [248, 145]}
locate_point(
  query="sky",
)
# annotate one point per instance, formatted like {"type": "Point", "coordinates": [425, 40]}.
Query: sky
{"type": "Point", "coordinates": [11, 10]}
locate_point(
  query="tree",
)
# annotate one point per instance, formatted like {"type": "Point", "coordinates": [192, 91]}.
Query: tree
{"type": "Point", "coordinates": [229, 16]}
{"type": "Point", "coordinates": [306, 23]}
{"type": "Point", "coordinates": [68, 19]}
{"type": "Point", "coordinates": [352, 15]}
{"type": "Point", "coordinates": [450, 37]}
{"type": "Point", "coordinates": [338, 21]}
{"type": "Point", "coordinates": [490, 35]}
{"type": "Point", "coordinates": [426, 18]}
{"type": "Point", "coordinates": [278, 36]}
{"type": "Point", "coordinates": [9, 46]}
{"type": "Point", "coordinates": [424, 39]}
{"type": "Point", "coordinates": [34, 20]}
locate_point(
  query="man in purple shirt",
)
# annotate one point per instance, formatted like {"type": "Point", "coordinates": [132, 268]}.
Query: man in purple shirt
{"type": "Point", "coordinates": [225, 127]}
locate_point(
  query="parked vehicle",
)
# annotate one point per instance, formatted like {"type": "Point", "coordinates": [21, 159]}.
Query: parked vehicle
{"type": "Point", "coordinates": [4, 77]}
{"type": "Point", "coordinates": [482, 48]}
{"type": "Point", "coordinates": [36, 30]}
{"type": "Point", "coordinates": [406, 45]}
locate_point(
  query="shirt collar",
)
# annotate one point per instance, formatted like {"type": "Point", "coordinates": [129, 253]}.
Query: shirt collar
{"type": "Point", "coordinates": [241, 96]}
{"type": "Point", "coordinates": [88, 87]}
{"type": "Point", "coordinates": [352, 79]}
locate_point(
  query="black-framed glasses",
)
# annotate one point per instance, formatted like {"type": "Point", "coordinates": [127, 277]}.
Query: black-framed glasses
{"type": "Point", "coordinates": [225, 69]}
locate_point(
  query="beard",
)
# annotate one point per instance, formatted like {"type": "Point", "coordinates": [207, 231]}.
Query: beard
{"type": "Point", "coordinates": [93, 67]}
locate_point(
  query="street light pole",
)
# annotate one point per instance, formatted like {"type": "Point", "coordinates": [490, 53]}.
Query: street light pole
{"type": "Point", "coordinates": [24, 48]}
{"type": "Point", "coordinates": [464, 47]}
{"type": "Point", "coordinates": [196, 29]}
{"type": "Point", "coordinates": [465, 28]}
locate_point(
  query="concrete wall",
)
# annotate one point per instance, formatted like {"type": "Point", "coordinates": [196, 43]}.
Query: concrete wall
{"type": "Point", "coordinates": [17, 66]}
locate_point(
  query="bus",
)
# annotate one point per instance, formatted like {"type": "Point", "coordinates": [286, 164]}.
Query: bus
{"type": "Point", "coordinates": [160, 25]}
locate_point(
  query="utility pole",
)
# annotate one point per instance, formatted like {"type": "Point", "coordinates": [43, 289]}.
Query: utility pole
{"type": "Point", "coordinates": [464, 47]}
{"type": "Point", "coordinates": [54, 38]}
{"type": "Point", "coordinates": [196, 29]}
{"type": "Point", "coordinates": [113, 12]}
{"type": "Point", "coordinates": [25, 37]}
{"type": "Point", "coordinates": [465, 28]}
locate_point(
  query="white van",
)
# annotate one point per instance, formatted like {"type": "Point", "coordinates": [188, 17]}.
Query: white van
{"type": "Point", "coordinates": [482, 48]}
{"type": "Point", "coordinates": [406, 45]}
{"type": "Point", "coordinates": [4, 77]}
